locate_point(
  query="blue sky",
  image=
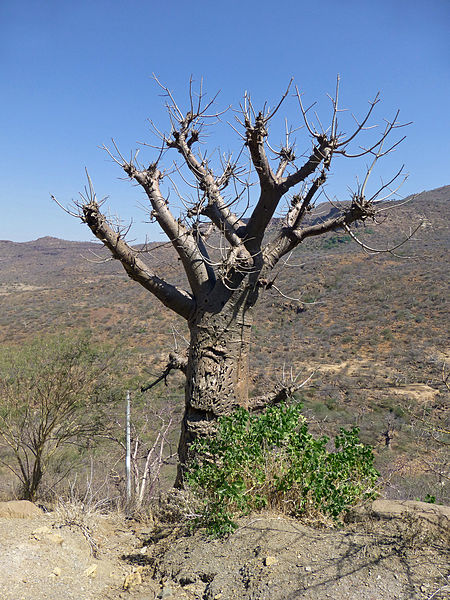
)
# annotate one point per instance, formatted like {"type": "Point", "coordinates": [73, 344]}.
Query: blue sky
{"type": "Point", "coordinates": [75, 74]}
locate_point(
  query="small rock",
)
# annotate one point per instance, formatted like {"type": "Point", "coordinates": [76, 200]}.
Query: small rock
{"type": "Point", "coordinates": [270, 560]}
{"type": "Point", "coordinates": [132, 579]}
{"type": "Point", "coordinates": [308, 569]}
{"type": "Point", "coordinates": [91, 571]}
{"type": "Point", "coordinates": [19, 509]}
{"type": "Point", "coordinates": [185, 580]}
{"type": "Point", "coordinates": [39, 533]}
{"type": "Point", "coordinates": [196, 589]}
{"type": "Point", "coordinates": [56, 572]}
{"type": "Point", "coordinates": [47, 534]}
{"type": "Point", "coordinates": [165, 593]}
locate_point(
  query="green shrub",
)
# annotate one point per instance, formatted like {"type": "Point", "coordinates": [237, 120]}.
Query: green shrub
{"type": "Point", "coordinates": [430, 499]}
{"type": "Point", "coordinates": [272, 461]}
{"type": "Point", "coordinates": [335, 240]}
{"type": "Point", "coordinates": [55, 393]}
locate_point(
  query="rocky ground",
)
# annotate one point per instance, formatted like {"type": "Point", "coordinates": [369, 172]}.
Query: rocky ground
{"type": "Point", "coordinates": [394, 551]}
{"type": "Point", "coordinates": [41, 557]}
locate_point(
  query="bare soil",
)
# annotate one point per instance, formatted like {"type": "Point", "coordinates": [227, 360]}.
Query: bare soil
{"type": "Point", "coordinates": [394, 551]}
{"type": "Point", "coordinates": [41, 559]}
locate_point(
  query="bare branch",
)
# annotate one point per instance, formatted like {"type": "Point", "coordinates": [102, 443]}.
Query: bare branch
{"type": "Point", "coordinates": [390, 126]}
{"type": "Point", "coordinates": [399, 173]}
{"type": "Point", "coordinates": [290, 237]}
{"type": "Point", "coordinates": [382, 250]}
{"type": "Point", "coordinates": [299, 300]}
{"type": "Point", "coordinates": [99, 260]}
{"type": "Point", "coordinates": [171, 296]}
{"type": "Point", "coordinates": [256, 133]}
{"type": "Point", "coordinates": [304, 112]}
{"type": "Point", "coordinates": [175, 362]}
{"type": "Point", "coordinates": [65, 208]}
{"type": "Point", "coordinates": [361, 126]}
{"type": "Point", "coordinates": [184, 136]}
{"type": "Point", "coordinates": [283, 98]}
{"type": "Point", "coordinates": [282, 392]}
{"type": "Point", "coordinates": [181, 239]}
{"type": "Point", "coordinates": [321, 153]}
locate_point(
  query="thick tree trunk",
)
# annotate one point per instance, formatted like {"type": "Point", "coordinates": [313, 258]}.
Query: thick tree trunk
{"type": "Point", "coordinates": [217, 371]}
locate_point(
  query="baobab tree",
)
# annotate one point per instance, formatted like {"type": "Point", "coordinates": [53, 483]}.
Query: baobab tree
{"type": "Point", "coordinates": [235, 199]}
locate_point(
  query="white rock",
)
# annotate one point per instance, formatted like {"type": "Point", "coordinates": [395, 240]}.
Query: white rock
{"type": "Point", "coordinates": [91, 571]}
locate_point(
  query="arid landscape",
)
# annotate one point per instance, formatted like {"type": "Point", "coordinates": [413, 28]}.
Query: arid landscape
{"type": "Point", "coordinates": [371, 329]}
{"type": "Point", "coordinates": [224, 300]}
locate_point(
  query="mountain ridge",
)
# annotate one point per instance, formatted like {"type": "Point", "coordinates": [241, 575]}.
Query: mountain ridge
{"type": "Point", "coordinates": [440, 193]}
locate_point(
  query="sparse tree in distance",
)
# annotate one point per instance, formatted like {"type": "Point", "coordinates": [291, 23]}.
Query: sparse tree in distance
{"type": "Point", "coordinates": [53, 392]}
{"type": "Point", "coordinates": [221, 232]}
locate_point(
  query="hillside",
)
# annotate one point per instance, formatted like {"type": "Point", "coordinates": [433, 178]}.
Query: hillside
{"type": "Point", "coordinates": [373, 327]}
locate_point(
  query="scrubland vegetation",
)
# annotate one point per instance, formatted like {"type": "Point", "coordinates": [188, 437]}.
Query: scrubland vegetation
{"type": "Point", "coordinates": [373, 330]}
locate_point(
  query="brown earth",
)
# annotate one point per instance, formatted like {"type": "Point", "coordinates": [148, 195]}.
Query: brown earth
{"type": "Point", "coordinates": [394, 551]}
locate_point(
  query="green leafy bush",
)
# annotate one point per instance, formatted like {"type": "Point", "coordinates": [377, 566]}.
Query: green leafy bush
{"type": "Point", "coordinates": [272, 461]}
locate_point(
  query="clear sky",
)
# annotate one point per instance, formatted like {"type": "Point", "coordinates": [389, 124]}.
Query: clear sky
{"type": "Point", "coordinates": [74, 74]}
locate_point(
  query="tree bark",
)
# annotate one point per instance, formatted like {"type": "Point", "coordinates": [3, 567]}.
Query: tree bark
{"type": "Point", "coordinates": [217, 369]}
{"type": "Point", "coordinates": [32, 480]}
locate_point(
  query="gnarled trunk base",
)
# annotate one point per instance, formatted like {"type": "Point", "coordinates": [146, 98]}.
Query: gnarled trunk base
{"type": "Point", "coordinates": [216, 375]}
